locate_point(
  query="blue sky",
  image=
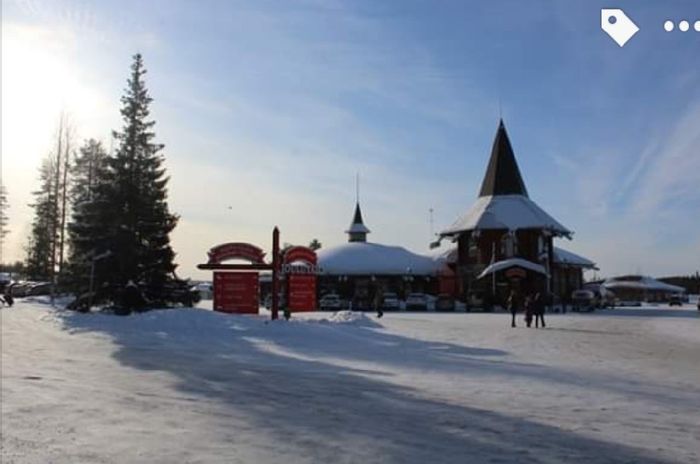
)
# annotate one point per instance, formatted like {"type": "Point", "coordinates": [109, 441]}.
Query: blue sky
{"type": "Point", "coordinates": [268, 110]}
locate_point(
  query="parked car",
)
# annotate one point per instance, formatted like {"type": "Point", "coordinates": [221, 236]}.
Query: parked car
{"type": "Point", "coordinates": [42, 288]}
{"type": "Point", "coordinates": [20, 289]}
{"type": "Point", "coordinates": [330, 302]}
{"type": "Point", "coordinates": [483, 301]}
{"type": "Point", "coordinates": [205, 290]}
{"type": "Point", "coordinates": [584, 300]}
{"type": "Point", "coordinates": [267, 302]}
{"type": "Point", "coordinates": [391, 302]}
{"type": "Point", "coordinates": [417, 301]}
{"type": "Point", "coordinates": [675, 300]}
{"type": "Point", "coordinates": [444, 302]}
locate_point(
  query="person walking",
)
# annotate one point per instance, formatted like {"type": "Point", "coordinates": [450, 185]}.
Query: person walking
{"type": "Point", "coordinates": [538, 307]}
{"type": "Point", "coordinates": [529, 310]}
{"type": "Point", "coordinates": [132, 299]}
{"type": "Point", "coordinates": [378, 303]}
{"type": "Point", "coordinates": [513, 305]}
{"type": "Point", "coordinates": [8, 299]}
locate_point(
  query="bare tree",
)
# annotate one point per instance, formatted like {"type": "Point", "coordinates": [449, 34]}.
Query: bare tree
{"type": "Point", "coordinates": [3, 218]}
{"type": "Point", "coordinates": [68, 151]}
{"type": "Point", "coordinates": [61, 161]}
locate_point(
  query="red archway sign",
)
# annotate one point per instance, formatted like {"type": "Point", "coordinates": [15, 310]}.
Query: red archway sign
{"type": "Point", "coordinates": [236, 285]}
{"type": "Point", "coordinates": [236, 250]}
{"type": "Point", "coordinates": [299, 264]}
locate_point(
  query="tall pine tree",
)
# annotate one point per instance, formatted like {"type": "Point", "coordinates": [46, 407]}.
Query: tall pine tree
{"type": "Point", "coordinates": [86, 229]}
{"type": "Point", "coordinates": [135, 192]}
{"type": "Point", "coordinates": [41, 246]}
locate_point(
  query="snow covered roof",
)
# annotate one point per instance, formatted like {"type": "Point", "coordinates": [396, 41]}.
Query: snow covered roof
{"type": "Point", "coordinates": [641, 283]}
{"type": "Point", "coordinates": [366, 258]}
{"type": "Point", "coordinates": [512, 262]}
{"type": "Point", "coordinates": [445, 255]}
{"type": "Point", "coordinates": [503, 201]}
{"type": "Point", "coordinates": [568, 258]}
{"type": "Point", "coordinates": [355, 228]}
{"type": "Point", "coordinates": [511, 212]}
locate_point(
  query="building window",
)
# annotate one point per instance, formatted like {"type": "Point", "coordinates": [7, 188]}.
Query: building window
{"type": "Point", "coordinates": [508, 245]}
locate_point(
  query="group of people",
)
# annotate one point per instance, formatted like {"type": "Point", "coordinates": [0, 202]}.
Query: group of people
{"type": "Point", "coordinates": [533, 306]}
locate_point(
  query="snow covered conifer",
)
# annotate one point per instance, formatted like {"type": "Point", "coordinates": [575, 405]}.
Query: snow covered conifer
{"type": "Point", "coordinates": [40, 248]}
{"type": "Point", "coordinates": [136, 208]}
{"type": "Point", "coordinates": [86, 230]}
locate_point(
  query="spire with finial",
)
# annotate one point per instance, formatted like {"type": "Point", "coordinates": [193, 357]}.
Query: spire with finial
{"type": "Point", "coordinates": [357, 232]}
{"type": "Point", "coordinates": [502, 174]}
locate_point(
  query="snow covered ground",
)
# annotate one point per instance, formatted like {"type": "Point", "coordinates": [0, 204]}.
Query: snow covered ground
{"type": "Point", "coordinates": [193, 386]}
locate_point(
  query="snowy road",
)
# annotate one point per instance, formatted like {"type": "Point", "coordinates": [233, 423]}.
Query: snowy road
{"type": "Point", "coordinates": [192, 386]}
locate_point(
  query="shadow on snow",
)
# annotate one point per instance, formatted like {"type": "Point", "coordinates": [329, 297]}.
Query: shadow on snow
{"type": "Point", "coordinates": [323, 412]}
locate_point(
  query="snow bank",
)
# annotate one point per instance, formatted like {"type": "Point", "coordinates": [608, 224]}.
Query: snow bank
{"type": "Point", "coordinates": [350, 318]}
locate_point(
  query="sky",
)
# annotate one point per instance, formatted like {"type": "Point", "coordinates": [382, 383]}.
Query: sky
{"type": "Point", "coordinates": [269, 109]}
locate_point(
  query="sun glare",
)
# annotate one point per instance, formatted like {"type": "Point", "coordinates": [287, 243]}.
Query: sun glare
{"type": "Point", "coordinates": [39, 80]}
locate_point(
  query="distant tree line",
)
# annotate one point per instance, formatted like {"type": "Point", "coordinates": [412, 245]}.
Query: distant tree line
{"type": "Point", "coordinates": [691, 283]}
{"type": "Point", "coordinates": [101, 220]}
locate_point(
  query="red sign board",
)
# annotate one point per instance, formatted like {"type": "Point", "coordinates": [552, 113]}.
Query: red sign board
{"type": "Point", "coordinates": [236, 250]}
{"type": "Point", "coordinates": [301, 289]}
{"type": "Point", "coordinates": [516, 273]}
{"type": "Point", "coordinates": [236, 292]}
{"type": "Point", "coordinates": [299, 253]}
{"type": "Point", "coordinates": [301, 280]}
{"type": "Point", "coordinates": [447, 284]}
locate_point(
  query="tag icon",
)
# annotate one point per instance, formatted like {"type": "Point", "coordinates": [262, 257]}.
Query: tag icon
{"type": "Point", "coordinates": [617, 25]}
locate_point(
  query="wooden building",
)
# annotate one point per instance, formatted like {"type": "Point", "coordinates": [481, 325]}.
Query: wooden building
{"type": "Point", "coordinates": [356, 270]}
{"type": "Point", "coordinates": [506, 241]}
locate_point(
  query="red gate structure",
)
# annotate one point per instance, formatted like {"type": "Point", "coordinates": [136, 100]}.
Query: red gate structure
{"type": "Point", "coordinates": [299, 265]}
{"type": "Point", "coordinates": [236, 292]}
{"type": "Point", "coordinates": [236, 285]}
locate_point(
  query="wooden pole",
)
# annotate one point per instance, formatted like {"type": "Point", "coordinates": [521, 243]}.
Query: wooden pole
{"type": "Point", "coordinates": [275, 271]}
{"type": "Point", "coordinates": [493, 274]}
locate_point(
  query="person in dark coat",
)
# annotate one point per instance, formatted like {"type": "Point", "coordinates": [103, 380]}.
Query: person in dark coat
{"type": "Point", "coordinates": [132, 299]}
{"type": "Point", "coordinates": [9, 299]}
{"type": "Point", "coordinates": [513, 305]}
{"type": "Point", "coordinates": [529, 310]}
{"type": "Point", "coordinates": [378, 303]}
{"type": "Point", "coordinates": [538, 309]}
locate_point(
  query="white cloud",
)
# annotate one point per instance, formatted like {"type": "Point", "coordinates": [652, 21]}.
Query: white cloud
{"type": "Point", "coordinates": [673, 175]}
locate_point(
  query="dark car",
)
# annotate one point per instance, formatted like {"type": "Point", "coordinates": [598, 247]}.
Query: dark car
{"type": "Point", "coordinates": [39, 289]}
{"type": "Point", "coordinates": [444, 302]}
{"type": "Point", "coordinates": [417, 301]}
{"type": "Point", "coordinates": [675, 300]}
{"type": "Point", "coordinates": [330, 302]}
{"type": "Point", "coordinates": [390, 302]}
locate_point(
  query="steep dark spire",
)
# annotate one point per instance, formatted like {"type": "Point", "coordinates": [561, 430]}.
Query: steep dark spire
{"type": "Point", "coordinates": [502, 174]}
{"type": "Point", "coordinates": [357, 231]}
{"type": "Point", "coordinates": [358, 215]}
